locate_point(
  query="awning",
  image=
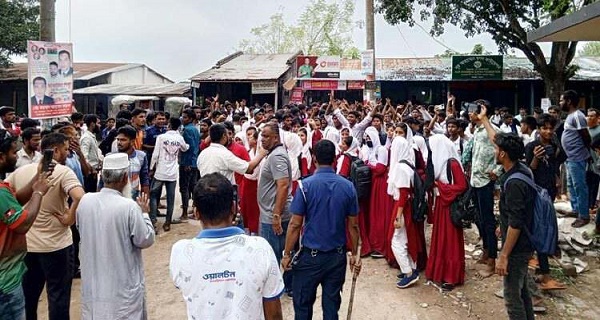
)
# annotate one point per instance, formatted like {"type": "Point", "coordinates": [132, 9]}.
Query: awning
{"type": "Point", "coordinates": [582, 25]}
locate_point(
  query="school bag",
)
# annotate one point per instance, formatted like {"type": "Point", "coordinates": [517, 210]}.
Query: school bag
{"type": "Point", "coordinates": [360, 176]}
{"type": "Point", "coordinates": [544, 230]}
{"type": "Point", "coordinates": [464, 210]}
{"type": "Point", "coordinates": [419, 196]}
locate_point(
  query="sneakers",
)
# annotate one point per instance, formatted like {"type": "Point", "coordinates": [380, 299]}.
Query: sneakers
{"type": "Point", "coordinates": [578, 223]}
{"type": "Point", "coordinates": [376, 255]}
{"type": "Point", "coordinates": [408, 280]}
{"type": "Point", "coordinates": [403, 275]}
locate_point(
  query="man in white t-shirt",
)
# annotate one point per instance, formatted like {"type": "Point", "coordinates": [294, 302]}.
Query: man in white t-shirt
{"type": "Point", "coordinates": [165, 170]}
{"type": "Point", "coordinates": [223, 273]}
{"type": "Point", "coordinates": [217, 158]}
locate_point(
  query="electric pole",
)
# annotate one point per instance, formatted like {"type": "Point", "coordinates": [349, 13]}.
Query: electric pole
{"type": "Point", "coordinates": [47, 20]}
{"type": "Point", "coordinates": [370, 85]}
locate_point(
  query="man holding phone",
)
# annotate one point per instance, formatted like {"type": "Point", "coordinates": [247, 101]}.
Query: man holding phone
{"type": "Point", "coordinates": [15, 221]}
{"type": "Point", "coordinates": [50, 255]}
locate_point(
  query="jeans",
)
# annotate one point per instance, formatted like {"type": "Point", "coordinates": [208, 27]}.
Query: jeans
{"type": "Point", "coordinates": [277, 242]}
{"type": "Point", "coordinates": [55, 270]}
{"type": "Point", "coordinates": [314, 268]}
{"type": "Point", "coordinates": [187, 182]}
{"type": "Point", "coordinates": [578, 188]}
{"type": "Point", "coordinates": [517, 297]}
{"type": "Point", "coordinates": [592, 180]}
{"type": "Point", "coordinates": [155, 191]}
{"type": "Point", "coordinates": [487, 221]}
{"type": "Point", "coordinates": [12, 304]}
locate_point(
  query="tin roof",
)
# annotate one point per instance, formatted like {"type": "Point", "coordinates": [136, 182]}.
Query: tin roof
{"type": "Point", "coordinates": [248, 67]}
{"type": "Point", "coordinates": [440, 69]}
{"type": "Point", "coordinates": [81, 70]}
{"type": "Point", "coordinates": [174, 89]}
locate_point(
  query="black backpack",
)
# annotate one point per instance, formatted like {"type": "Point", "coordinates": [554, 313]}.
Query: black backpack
{"type": "Point", "coordinates": [360, 176]}
{"type": "Point", "coordinates": [464, 210]}
{"type": "Point", "coordinates": [419, 200]}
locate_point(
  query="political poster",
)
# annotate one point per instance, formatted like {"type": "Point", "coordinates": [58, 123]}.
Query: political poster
{"type": "Point", "coordinates": [50, 79]}
{"type": "Point", "coordinates": [323, 67]}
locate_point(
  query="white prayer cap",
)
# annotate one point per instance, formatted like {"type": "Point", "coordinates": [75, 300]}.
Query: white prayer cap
{"type": "Point", "coordinates": [115, 161]}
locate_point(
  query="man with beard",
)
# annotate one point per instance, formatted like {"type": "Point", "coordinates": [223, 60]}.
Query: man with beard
{"type": "Point", "coordinates": [89, 148]}
{"type": "Point", "coordinates": [8, 121]}
{"type": "Point", "coordinates": [138, 166]}
{"type": "Point", "coordinates": [120, 293]}
{"type": "Point", "coordinates": [50, 257]}
{"type": "Point", "coordinates": [188, 170]}
{"type": "Point", "coordinates": [158, 127]}
{"type": "Point", "coordinates": [204, 136]}
{"type": "Point", "coordinates": [31, 143]}
{"type": "Point", "coordinates": [15, 221]}
{"type": "Point", "coordinates": [576, 142]}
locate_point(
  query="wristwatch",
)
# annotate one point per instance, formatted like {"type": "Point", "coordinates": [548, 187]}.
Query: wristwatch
{"type": "Point", "coordinates": [286, 253]}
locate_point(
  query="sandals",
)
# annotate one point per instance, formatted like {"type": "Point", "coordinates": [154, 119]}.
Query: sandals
{"type": "Point", "coordinates": [552, 284]}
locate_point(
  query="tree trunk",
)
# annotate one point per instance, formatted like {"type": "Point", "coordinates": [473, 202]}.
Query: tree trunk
{"type": "Point", "coordinates": [554, 86]}
{"type": "Point", "coordinates": [47, 20]}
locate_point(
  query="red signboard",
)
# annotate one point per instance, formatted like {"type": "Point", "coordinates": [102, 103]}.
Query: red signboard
{"type": "Point", "coordinates": [355, 85]}
{"type": "Point", "coordinates": [297, 95]}
{"type": "Point", "coordinates": [323, 85]}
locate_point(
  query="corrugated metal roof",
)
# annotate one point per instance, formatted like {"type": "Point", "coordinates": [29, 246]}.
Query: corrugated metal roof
{"type": "Point", "coordinates": [440, 69]}
{"type": "Point", "coordinates": [81, 70]}
{"type": "Point", "coordinates": [247, 67]}
{"type": "Point", "coordinates": [175, 89]}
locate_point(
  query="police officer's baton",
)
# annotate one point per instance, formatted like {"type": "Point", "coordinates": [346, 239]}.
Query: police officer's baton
{"type": "Point", "coordinates": [354, 277]}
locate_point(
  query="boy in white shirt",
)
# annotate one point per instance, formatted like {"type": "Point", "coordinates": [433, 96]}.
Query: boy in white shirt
{"type": "Point", "coordinates": [164, 169]}
{"type": "Point", "coordinates": [223, 273]}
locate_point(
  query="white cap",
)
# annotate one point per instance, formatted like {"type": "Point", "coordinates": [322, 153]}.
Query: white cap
{"type": "Point", "coordinates": [115, 161]}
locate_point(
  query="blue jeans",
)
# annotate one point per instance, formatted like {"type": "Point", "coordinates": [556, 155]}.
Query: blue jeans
{"type": "Point", "coordinates": [314, 268]}
{"type": "Point", "coordinates": [12, 304]}
{"type": "Point", "coordinates": [277, 242]}
{"type": "Point", "coordinates": [155, 191]}
{"type": "Point", "coordinates": [487, 221]}
{"type": "Point", "coordinates": [578, 188]}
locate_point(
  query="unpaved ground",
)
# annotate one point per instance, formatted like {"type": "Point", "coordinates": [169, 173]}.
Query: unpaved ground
{"type": "Point", "coordinates": [376, 294]}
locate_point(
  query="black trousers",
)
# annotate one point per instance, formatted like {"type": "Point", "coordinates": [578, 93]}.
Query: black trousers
{"type": "Point", "coordinates": [55, 270]}
{"type": "Point", "coordinates": [187, 181]}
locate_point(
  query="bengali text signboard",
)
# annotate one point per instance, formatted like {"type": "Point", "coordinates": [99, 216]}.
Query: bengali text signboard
{"type": "Point", "coordinates": [477, 67]}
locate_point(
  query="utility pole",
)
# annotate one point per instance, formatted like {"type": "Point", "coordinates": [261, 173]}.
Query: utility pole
{"type": "Point", "coordinates": [370, 86]}
{"type": "Point", "coordinates": [47, 20]}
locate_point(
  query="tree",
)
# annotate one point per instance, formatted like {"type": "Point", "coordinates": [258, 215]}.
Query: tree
{"type": "Point", "coordinates": [478, 49]}
{"type": "Point", "coordinates": [591, 49]}
{"type": "Point", "coordinates": [507, 21]}
{"type": "Point", "coordinates": [322, 29]}
{"type": "Point", "coordinates": [19, 22]}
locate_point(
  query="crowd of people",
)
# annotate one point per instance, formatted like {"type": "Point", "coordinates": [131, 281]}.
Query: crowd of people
{"type": "Point", "coordinates": [277, 174]}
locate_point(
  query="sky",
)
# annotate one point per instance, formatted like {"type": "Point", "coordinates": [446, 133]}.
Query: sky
{"type": "Point", "coordinates": [181, 38]}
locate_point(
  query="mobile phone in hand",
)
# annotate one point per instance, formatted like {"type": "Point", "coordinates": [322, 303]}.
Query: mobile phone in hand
{"type": "Point", "coordinates": [48, 156]}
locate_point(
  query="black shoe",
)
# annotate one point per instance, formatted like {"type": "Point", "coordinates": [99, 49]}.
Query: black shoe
{"type": "Point", "coordinates": [578, 223]}
{"type": "Point", "coordinates": [376, 255]}
{"type": "Point", "coordinates": [161, 214]}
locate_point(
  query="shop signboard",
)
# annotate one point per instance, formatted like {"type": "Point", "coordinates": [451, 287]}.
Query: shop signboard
{"type": "Point", "coordinates": [297, 95]}
{"type": "Point", "coordinates": [264, 87]}
{"type": "Point", "coordinates": [366, 62]}
{"type": "Point", "coordinates": [50, 79]}
{"type": "Point", "coordinates": [355, 85]}
{"type": "Point", "coordinates": [477, 67]}
{"type": "Point", "coordinates": [323, 67]}
{"type": "Point", "coordinates": [323, 85]}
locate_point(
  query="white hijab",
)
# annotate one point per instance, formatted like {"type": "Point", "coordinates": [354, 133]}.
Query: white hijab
{"type": "Point", "coordinates": [352, 151]}
{"type": "Point", "coordinates": [376, 154]}
{"type": "Point", "coordinates": [242, 135]}
{"type": "Point", "coordinates": [400, 175]}
{"type": "Point", "coordinates": [306, 151]}
{"type": "Point", "coordinates": [442, 150]}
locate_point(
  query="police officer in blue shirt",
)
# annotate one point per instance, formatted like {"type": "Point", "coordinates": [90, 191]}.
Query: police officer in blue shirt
{"type": "Point", "coordinates": [326, 204]}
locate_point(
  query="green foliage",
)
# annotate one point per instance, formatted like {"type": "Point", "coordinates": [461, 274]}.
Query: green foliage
{"type": "Point", "coordinates": [19, 22]}
{"type": "Point", "coordinates": [478, 49]}
{"type": "Point", "coordinates": [322, 29]}
{"type": "Point", "coordinates": [591, 49]}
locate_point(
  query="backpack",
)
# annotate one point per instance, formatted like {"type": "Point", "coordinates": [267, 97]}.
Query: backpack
{"type": "Point", "coordinates": [544, 230]}
{"type": "Point", "coordinates": [464, 210]}
{"type": "Point", "coordinates": [419, 200]}
{"type": "Point", "coordinates": [360, 176]}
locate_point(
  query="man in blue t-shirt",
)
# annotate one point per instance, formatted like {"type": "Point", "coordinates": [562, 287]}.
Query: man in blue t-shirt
{"type": "Point", "coordinates": [188, 168]}
{"type": "Point", "coordinates": [575, 141]}
{"type": "Point", "coordinates": [327, 205]}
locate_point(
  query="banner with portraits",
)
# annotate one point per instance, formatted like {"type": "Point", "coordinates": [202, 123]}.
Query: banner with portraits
{"type": "Point", "coordinates": [50, 79]}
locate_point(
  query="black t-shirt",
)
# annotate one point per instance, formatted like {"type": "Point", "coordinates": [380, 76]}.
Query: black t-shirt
{"type": "Point", "coordinates": [547, 171]}
{"type": "Point", "coordinates": [516, 207]}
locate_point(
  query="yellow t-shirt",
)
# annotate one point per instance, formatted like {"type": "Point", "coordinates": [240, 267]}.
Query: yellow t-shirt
{"type": "Point", "coordinates": [47, 233]}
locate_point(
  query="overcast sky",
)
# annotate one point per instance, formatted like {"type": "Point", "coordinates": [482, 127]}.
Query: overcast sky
{"type": "Point", "coordinates": [180, 38]}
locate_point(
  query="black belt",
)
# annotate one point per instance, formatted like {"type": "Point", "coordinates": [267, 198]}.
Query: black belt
{"type": "Point", "coordinates": [315, 252]}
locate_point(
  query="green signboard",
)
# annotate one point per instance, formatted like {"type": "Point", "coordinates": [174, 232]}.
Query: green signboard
{"type": "Point", "coordinates": [477, 67]}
